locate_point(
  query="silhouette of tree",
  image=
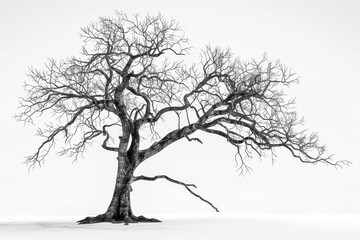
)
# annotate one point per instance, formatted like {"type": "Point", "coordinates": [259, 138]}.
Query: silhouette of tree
{"type": "Point", "coordinates": [131, 73]}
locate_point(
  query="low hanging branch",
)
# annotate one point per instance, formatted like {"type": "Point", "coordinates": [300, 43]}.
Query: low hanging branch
{"type": "Point", "coordinates": [186, 185]}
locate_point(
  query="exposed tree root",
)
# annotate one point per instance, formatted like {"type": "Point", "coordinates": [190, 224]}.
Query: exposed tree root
{"type": "Point", "coordinates": [104, 218]}
{"type": "Point", "coordinates": [144, 219]}
{"type": "Point", "coordinates": [97, 219]}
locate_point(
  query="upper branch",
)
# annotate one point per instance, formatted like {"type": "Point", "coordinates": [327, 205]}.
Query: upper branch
{"type": "Point", "coordinates": [244, 102]}
{"type": "Point", "coordinates": [124, 73]}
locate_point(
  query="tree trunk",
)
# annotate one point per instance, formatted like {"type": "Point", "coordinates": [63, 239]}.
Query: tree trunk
{"type": "Point", "coordinates": [119, 210]}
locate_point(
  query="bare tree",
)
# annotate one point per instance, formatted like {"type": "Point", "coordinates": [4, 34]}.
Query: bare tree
{"type": "Point", "coordinates": [124, 83]}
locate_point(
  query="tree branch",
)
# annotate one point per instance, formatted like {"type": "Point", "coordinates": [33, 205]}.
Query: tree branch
{"type": "Point", "coordinates": [187, 186]}
{"type": "Point", "coordinates": [38, 157]}
{"type": "Point", "coordinates": [166, 141]}
{"type": "Point", "coordinates": [193, 139]}
{"type": "Point", "coordinates": [105, 142]}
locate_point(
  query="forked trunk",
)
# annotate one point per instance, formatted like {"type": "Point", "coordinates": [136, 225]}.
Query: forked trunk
{"type": "Point", "coordinates": [119, 209]}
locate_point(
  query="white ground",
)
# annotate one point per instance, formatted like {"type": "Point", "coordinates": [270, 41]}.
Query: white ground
{"type": "Point", "coordinates": [246, 227]}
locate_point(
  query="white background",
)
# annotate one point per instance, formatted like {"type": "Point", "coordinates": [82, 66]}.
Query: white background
{"type": "Point", "coordinates": [318, 39]}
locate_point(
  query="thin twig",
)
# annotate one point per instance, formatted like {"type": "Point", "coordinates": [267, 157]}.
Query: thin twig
{"type": "Point", "coordinates": [193, 139]}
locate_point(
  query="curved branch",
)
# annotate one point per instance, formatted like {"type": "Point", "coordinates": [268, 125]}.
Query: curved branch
{"type": "Point", "coordinates": [106, 140]}
{"type": "Point", "coordinates": [185, 106]}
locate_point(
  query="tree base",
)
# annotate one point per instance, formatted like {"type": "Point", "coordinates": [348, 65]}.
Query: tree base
{"type": "Point", "coordinates": [103, 218]}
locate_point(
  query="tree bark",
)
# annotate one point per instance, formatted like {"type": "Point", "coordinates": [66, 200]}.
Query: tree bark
{"type": "Point", "coordinates": [119, 210]}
